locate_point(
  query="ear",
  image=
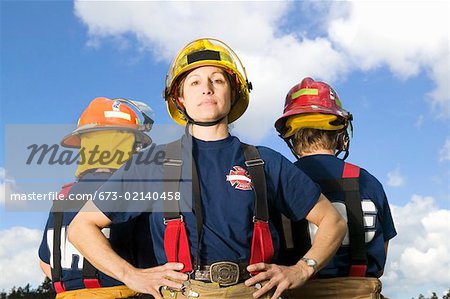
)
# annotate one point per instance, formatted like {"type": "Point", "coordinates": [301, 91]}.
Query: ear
{"type": "Point", "coordinates": [180, 101]}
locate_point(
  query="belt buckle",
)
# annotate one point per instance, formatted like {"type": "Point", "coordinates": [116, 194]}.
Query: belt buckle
{"type": "Point", "coordinates": [224, 273]}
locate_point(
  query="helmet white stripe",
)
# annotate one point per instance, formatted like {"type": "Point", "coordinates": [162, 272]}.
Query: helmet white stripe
{"type": "Point", "coordinates": [117, 114]}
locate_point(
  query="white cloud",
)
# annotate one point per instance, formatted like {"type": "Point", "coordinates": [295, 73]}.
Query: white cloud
{"type": "Point", "coordinates": [419, 256]}
{"type": "Point", "coordinates": [355, 35]}
{"type": "Point", "coordinates": [444, 153]}
{"type": "Point", "coordinates": [7, 187]}
{"type": "Point", "coordinates": [274, 62]}
{"type": "Point", "coordinates": [376, 33]}
{"type": "Point", "coordinates": [350, 35]}
{"type": "Point", "coordinates": [395, 178]}
{"type": "Point", "coordinates": [19, 257]}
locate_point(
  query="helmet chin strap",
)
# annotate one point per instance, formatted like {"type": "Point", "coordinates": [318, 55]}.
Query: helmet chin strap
{"type": "Point", "coordinates": [291, 147]}
{"type": "Point", "coordinates": [202, 123]}
{"type": "Point", "coordinates": [343, 142]}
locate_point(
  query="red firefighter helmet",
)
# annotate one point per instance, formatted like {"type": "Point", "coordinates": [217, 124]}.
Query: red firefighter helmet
{"type": "Point", "coordinates": [312, 98]}
{"type": "Point", "coordinates": [313, 104]}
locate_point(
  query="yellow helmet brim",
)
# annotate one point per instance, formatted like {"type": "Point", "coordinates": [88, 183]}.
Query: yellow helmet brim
{"type": "Point", "coordinates": [311, 120]}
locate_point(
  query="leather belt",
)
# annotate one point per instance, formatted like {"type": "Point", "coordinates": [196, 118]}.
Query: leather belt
{"type": "Point", "coordinates": [223, 273]}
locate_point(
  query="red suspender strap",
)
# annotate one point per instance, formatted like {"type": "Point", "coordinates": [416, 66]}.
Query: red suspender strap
{"type": "Point", "coordinates": [350, 171]}
{"type": "Point", "coordinates": [171, 240]}
{"type": "Point", "coordinates": [59, 287]}
{"type": "Point", "coordinates": [176, 243]}
{"type": "Point", "coordinates": [262, 245]}
{"type": "Point", "coordinates": [357, 271]}
{"type": "Point", "coordinates": [91, 283]}
{"type": "Point", "coordinates": [357, 250]}
{"type": "Point", "coordinates": [65, 189]}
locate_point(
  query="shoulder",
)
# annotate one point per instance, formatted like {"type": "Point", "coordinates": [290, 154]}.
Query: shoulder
{"type": "Point", "coordinates": [371, 188]}
{"type": "Point", "coordinates": [139, 163]}
{"type": "Point", "coordinates": [369, 180]}
{"type": "Point", "coordinates": [276, 163]}
{"type": "Point", "coordinates": [270, 154]}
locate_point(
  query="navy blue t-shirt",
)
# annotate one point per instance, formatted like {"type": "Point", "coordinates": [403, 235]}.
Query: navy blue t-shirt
{"type": "Point", "coordinates": [227, 198]}
{"type": "Point", "coordinates": [379, 226]}
{"type": "Point", "coordinates": [131, 240]}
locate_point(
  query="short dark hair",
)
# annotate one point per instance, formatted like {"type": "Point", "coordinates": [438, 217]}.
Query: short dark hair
{"type": "Point", "coordinates": [307, 140]}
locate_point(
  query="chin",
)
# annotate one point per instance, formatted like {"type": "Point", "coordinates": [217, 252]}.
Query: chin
{"type": "Point", "coordinates": [208, 118]}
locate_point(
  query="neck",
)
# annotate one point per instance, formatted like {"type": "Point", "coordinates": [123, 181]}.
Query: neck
{"type": "Point", "coordinates": [319, 152]}
{"type": "Point", "coordinates": [211, 133]}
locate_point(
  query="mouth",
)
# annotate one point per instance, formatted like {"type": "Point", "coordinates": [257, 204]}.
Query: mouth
{"type": "Point", "coordinates": [208, 102]}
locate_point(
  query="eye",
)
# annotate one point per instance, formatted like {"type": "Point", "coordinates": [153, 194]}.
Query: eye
{"type": "Point", "coordinates": [219, 81]}
{"type": "Point", "coordinates": [194, 83]}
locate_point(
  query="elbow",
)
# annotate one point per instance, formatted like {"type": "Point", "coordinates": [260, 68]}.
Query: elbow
{"type": "Point", "coordinates": [45, 268]}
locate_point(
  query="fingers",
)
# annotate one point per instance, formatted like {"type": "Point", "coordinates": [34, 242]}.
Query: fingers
{"type": "Point", "coordinates": [175, 275]}
{"type": "Point", "coordinates": [283, 286]}
{"type": "Point", "coordinates": [173, 266]}
{"type": "Point", "coordinates": [149, 280]}
{"type": "Point", "coordinates": [172, 284]}
{"type": "Point", "coordinates": [167, 266]}
{"type": "Point", "coordinates": [267, 287]}
{"type": "Point", "coordinates": [258, 278]}
{"type": "Point", "coordinates": [169, 270]}
{"type": "Point", "coordinates": [276, 276]}
{"type": "Point", "coordinates": [258, 267]}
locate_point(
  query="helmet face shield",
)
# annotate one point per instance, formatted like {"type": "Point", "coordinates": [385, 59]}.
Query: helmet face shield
{"type": "Point", "coordinates": [206, 52]}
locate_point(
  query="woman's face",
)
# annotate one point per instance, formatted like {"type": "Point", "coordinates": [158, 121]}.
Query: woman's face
{"type": "Point", "coordinates": [206, 94]}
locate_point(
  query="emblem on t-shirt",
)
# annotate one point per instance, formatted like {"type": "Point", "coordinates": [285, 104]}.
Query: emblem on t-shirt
{"type": "Point", "coordinates": [239, 178]}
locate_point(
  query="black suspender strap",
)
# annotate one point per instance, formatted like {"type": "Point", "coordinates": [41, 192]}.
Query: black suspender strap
{"type": "Point", "coordinates": [355, 219]}
{"type": "Point", "coordinates": [348, 184]}
{"type": "Point", "coordinates": [172, 177]}
{"type": "Point", "coordinates": [255, 167]}
{"type": "Point", "coordinates": [58, 214]}
{"type": "Point", "coordinates": [90, 278]}
{"type": "Point", "coordinates": [339, 185]}
{"type": "Point", "coordinates": [198, 212]}
{"type": "Point", "coordinates": [89, 272]}
{"type": "Point", "coordinates": [57, 227]}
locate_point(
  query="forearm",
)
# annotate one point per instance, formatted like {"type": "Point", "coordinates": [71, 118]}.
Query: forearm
{"type": "Point", "coordinates": [330, 233]}
{"type": "Point", "coordinates": [85, 234]}
{"type": "Point", "coordinates": [45, 268]}
{"type": "Point", "coordinates": [329, 237]}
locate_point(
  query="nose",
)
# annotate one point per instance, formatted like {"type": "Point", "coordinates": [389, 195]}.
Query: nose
{"type": "Point", "coordinates": [207, 87]}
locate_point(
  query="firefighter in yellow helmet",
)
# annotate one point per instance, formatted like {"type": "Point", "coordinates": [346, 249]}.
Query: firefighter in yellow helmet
{"type": "Point", "coordinates": [213, 53]}
{"type": "Point", "coordinates": [210, 250]}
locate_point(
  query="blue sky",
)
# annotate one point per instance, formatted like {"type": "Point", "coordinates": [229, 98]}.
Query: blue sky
{"type": "Point", "coordinates": [57, 56]}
